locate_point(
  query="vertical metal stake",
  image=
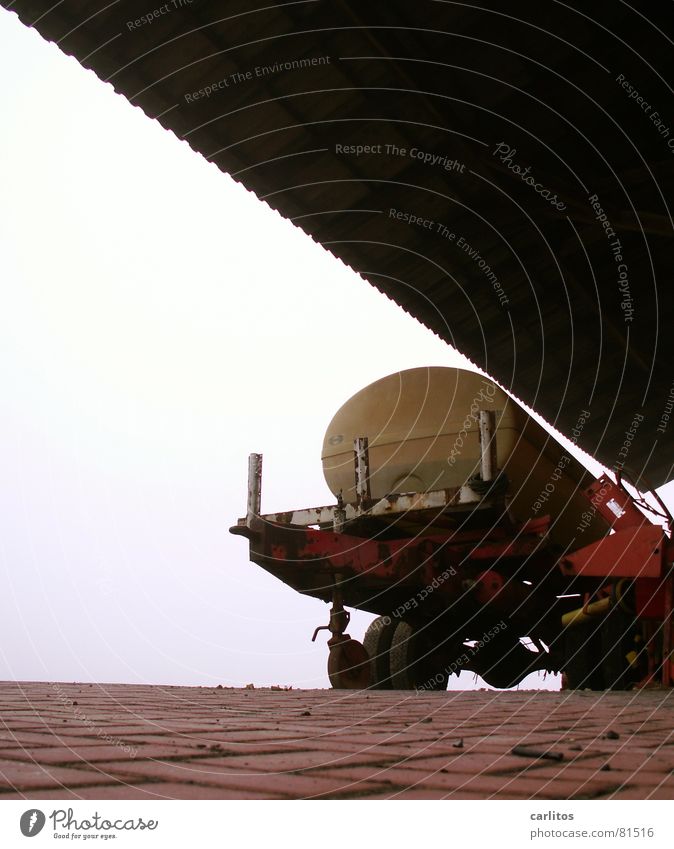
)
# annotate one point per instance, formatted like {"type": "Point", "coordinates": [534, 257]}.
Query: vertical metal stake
{"type": "Point", "coordinates": [254, 486]}
{"type": "Point", "coordinates": [362, 462]}
{"type": "Point", "coordinates": [339, 515]}
{"type": "Point", "coordinates": [488, 444]}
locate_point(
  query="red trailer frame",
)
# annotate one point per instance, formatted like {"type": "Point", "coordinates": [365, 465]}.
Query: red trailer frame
{"type": "Point", "coordinates": [443, 569]}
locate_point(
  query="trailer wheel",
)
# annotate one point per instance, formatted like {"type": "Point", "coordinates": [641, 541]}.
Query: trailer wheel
{"type": "Point", "coordinates": [618, 633]}
{"type": "Point", "coordinates": [377, 642]}
{"type": "Point", "coordinates": [348, 664]}
{"type": "Point", "coordinates": [583, 664]}
{"type": "Point", "coordinates": [411, 662]}
{"type": "Point", "coordinates": [504, 662]}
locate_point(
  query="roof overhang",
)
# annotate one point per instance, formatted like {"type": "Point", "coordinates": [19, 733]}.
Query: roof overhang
{"type": "Point", "coordinates": [502, 175]}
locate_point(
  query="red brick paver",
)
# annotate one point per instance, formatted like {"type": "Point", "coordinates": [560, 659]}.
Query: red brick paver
{"type": "Point", "coordinates": [118, 741]}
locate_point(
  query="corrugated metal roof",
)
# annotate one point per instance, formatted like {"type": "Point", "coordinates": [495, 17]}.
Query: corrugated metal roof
{"type": "Point", "coordinates": [450, 152]}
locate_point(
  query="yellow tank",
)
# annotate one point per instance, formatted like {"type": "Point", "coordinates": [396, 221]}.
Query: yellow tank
{"type": "Point", "coordinates": [423, 432]}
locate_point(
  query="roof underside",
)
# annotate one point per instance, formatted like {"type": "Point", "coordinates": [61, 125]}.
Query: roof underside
{"type": "Point", "coordinates": [514, 269]}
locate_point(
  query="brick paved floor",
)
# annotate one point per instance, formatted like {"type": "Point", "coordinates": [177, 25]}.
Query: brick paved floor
{"type": "Point", "coordinates": [94, 741]}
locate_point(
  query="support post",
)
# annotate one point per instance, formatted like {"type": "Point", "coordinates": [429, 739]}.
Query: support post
{"type": "Point", "coordinates": [339, 515]}
{"type": "Point", "coordinates": [254, 487]}
{"type": "Point", "coordinates": [487, 423]}
{"type": "Point", "coordinates": [362, 463]}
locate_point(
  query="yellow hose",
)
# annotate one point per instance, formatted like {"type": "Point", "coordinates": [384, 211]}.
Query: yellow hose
{"type": "Point", "coordinates": [585, 614]}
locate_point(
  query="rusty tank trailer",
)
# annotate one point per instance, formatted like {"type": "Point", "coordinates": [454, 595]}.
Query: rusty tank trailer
{"type": "Point", "coordinates": [478, 542]}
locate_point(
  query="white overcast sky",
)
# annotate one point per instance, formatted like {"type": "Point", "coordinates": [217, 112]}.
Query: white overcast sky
{"type": "Point", "coordinates": [157, 324]}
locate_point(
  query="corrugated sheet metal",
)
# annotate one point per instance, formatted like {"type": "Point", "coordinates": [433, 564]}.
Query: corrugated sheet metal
{"type": "Point", "coordinates": [529, 290]}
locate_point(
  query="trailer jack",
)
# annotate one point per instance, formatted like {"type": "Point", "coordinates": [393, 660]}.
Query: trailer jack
{"type": "Point", "coordinates": [348, 662]}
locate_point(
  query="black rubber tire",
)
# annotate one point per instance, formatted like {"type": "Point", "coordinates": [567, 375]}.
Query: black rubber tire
{"type": "Point", "coordinates": [377, 642]}
{"type": "Point", "coordinates": [618, 633]}
{"type": "Point", "coordinates": [504, 662]}
{"type": "Point", "coordinates": [597, 653]}
{"type": "Point", "coordinates": [583, 654]}
{"type": "Point", "coordinates": [412, 666]}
